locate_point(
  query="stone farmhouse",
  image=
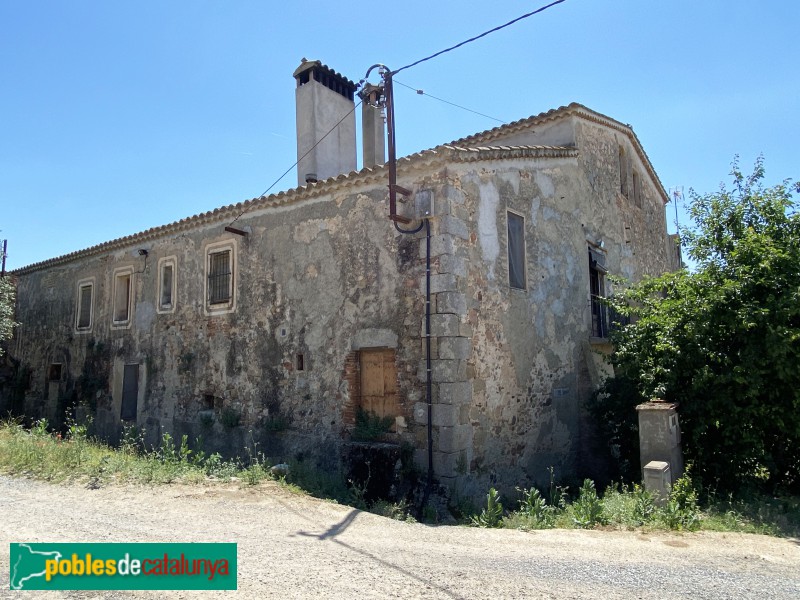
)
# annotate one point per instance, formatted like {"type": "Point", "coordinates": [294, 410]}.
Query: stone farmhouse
{"type": "Point", "coordinates": [279, 320]}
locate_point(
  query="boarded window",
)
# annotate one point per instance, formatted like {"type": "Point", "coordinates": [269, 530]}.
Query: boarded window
{"type": "Point", "coordinates": [167, 274]}
{"type": "Point", "coordinates": [130, 393]}
{"type": "Point", "coordinates": [379, 382]}
{"type": "Point", "coordinates": [516, 251]}
{"type": "Point", "coordinates": [219, 277]}
{"type": "Point", "coordinates": [623, 172]}
{"type": "Point", "coordinates": [122, 298]}
{"type": "Point", "coordinates": [85, 307]}
{"type": "Point", "coordinates": [637, 190]}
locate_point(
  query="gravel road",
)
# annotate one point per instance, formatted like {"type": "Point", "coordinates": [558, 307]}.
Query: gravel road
{"type": "Point", "coordinates": [291, 546]}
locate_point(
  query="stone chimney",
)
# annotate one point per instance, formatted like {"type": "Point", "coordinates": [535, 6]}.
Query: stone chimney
{"type": "Point", "coordinates": [372, 126]}
{"type": "Point", "coordinates": [323, 98]}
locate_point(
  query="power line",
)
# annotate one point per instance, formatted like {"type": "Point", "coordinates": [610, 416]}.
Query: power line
{"type": "Point", "coordinates": [274, 183]}
{"type": "Point", "coordinates": [423, 93]}
{"type": "Point", "coordinates": [477, 37]}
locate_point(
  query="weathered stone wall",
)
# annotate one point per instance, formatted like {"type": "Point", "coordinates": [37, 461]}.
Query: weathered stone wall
{"type": "Point", "coordinates": [328, 277]}
{"type": "Point", "coordinates": [513, 367]}
{"type": "Point", "coordinates": [311, 278]}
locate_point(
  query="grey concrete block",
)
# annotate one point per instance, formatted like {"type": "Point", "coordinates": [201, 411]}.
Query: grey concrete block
{"type": "Point", "coordinates": [444, 325]}
{"type": "Point", "coordinates": [454, 226]}
{"type": "Point", "coordinates": [440, 282]}
{"type": "Point", "coordinates": [454, 348]}
{"type": "Point", "coordinates": [452, 193]}
{"type": "Point", "coordinates": [447, 464]}
{"type": "Point", "coordinates": [443, 371]}
{"type": "Point", "coordinates": [421, 413]}
{"type": "Point", "coordinates": [455, 392]}
{"type": "Point", "coordinates": [441, 243]}
{"type": "Point", "coordinates": [444, 415]}
{"type": "Point", "coordinates": [451, 302]}
{"type": "Point", "coordinates": [450, 263]}
{"type": "Point", "coordinates": [455, 438]}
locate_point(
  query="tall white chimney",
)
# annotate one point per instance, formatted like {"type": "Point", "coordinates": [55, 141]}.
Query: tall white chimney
{"type": "Point", "coordinates": [324, 98]}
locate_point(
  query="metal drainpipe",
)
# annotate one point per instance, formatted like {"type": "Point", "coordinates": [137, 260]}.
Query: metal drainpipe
{"type": "Point", "coordinates": [429, 381]}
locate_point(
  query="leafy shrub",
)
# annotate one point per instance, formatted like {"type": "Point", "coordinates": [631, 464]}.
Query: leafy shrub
{"type": "Point", "coordinates": [681, 510]}
{"type": "Point", "coordinates": [369, 426]}
{"type": "Point", "coordinates": [720, 340]}
{"type": "Point", "coordinates": [587, 510]}
{"type": "Point", "coordinates": [230, 417]}
{"type": "Point", "coordinates": [492, 515]}
{"type": "Point", "coordinates": [538, 514]}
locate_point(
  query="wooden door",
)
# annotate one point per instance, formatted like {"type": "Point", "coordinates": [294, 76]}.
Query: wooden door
{"type": "Point", "coordinates": [379, 382]}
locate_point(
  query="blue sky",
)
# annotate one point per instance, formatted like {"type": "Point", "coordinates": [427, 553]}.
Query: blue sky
{"type": "Point", "coordinates": [120, 116]}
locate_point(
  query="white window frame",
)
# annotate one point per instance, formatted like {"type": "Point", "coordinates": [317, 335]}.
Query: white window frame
{"type": "Point", "coordinates": [83, 283]}
{"type": "Point", "coordinates": [524, 251]}
{"type": "Point", "coordinates": [214, 248]}
{"type": "Point", "coordinates": [118, 274]}
{"type": "Point", "coordinates": [167, 261]}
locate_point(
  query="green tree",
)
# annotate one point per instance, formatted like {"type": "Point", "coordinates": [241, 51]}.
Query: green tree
{"type": "Point", "coordinates": [722, 340]}
{"type": "Point", "coordinates": [6, 308]}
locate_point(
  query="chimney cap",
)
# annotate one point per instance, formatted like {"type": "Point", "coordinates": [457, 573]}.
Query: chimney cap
{"type": "Point", "coordinates": [309, 65]}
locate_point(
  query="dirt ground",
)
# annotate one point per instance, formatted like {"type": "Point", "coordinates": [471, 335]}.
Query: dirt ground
{"type": "Point", "coordinates": [292, 546]}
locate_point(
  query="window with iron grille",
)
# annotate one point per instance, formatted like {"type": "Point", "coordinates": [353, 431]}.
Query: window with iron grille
{"type": "Point", "coordinates": [220, 275]}
{"type": "Point", "coordinates": [597, 290]}
{"type": "Point", "coordinates": [84, 316]}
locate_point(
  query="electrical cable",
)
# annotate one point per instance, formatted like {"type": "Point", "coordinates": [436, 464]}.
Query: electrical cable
{"type": "Point", "coordinates": [477, 37]}
{"type": "Point", "coordinates": [355, 106]}
{"type": "Point", "coordinates": [424, 93]}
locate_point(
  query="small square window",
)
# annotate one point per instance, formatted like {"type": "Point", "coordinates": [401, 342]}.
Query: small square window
{"type": "Point", "coordinates": [54, 372]}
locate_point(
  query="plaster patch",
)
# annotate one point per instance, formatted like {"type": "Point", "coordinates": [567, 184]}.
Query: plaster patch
{"type": "Point", "coordinates": [487, 225]}
{"type": "Point", "coordinates": [545, 184]}
{"type": "Point", "coordinates": [307, 231]}
{"type": "Point", "coordinates": [511, 178]}
{"type": "Point", "coordinates": [535, 204]}
{"type": "Point", "coordinates": [550, 214]}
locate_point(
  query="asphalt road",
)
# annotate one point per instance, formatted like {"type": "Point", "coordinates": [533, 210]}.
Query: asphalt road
{"type": "Point", "coordinates": [291, 546]}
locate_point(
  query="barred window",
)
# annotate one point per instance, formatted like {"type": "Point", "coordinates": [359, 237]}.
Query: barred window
{"type": "Point", "coordinates": [219, 277]}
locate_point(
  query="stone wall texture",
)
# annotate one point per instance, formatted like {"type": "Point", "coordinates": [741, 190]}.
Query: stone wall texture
{"type": "Point", "coordinates": [321, 278]}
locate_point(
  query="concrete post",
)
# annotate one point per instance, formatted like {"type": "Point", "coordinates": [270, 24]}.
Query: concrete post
{"type": "Point", "coordinates": [372, 129]}
{"type": "Point", "coordinates": [660, 436]}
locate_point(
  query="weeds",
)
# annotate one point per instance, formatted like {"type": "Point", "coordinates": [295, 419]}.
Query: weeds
{"type": "Point", "coordinates": [35, 452]}
{"type": "Point", "coordinates": [492, 515]}
{"type": "Point", "coordinates": [369, 426]}
{"type": "Point", "coordinates": [230, 417]}
{"type": "Point", "coordinates": [587, 510]}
